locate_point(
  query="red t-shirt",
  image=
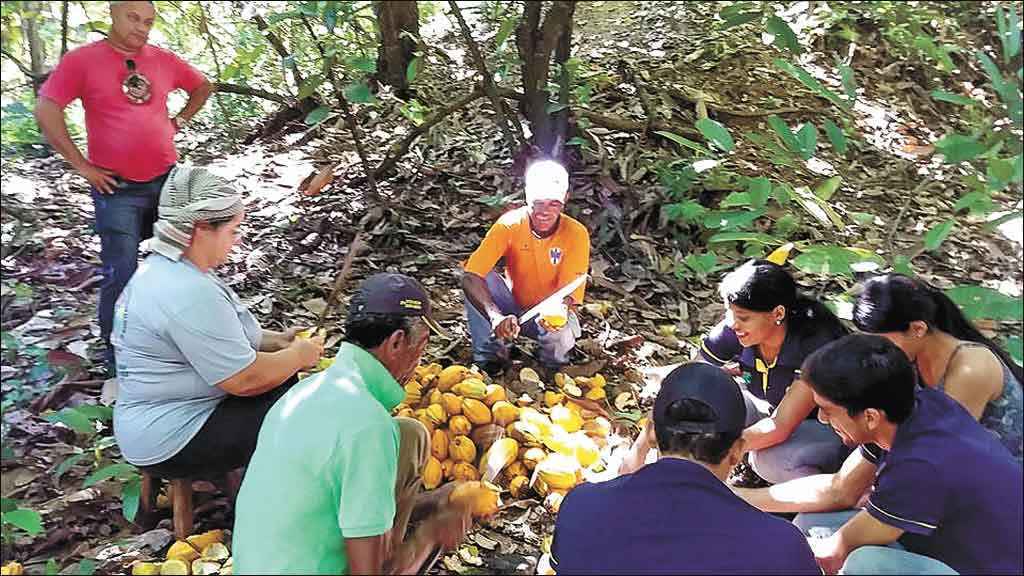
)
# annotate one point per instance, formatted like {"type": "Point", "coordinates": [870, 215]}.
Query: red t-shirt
{"type": "Point", "coordinates": [134, 140]}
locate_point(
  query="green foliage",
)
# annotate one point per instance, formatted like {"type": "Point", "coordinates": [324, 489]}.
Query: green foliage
{"type": "Point", "coordinates": [815, 86]}
{"type": "Point", "coordinates": [832, 259]}
{"type": "Point", "coordinates": [835, 136]}
{"type": "Point", "coordinates": [784, 36]}
{"type": "Point", "coordinates": [715, 133]}
{"type": "Point", "coordinates": [938, 234]}
{"type": "Point", "coordinates": [978, 302]}
{"type": "Point", "coordinates": [15, 521]}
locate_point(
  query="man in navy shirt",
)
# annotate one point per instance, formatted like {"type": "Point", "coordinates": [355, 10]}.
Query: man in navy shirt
{"type": "Point", "coordinates": [946, 493]}
{"type": "Point", "coordinates": [676, 515]}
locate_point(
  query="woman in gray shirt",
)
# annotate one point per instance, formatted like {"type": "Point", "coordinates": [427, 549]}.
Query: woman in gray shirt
{"type": "Point", "coordinates": [196, 373]}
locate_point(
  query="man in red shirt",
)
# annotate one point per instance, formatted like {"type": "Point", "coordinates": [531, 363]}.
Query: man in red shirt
{"type": "Point", "coordinates": [123, 83]}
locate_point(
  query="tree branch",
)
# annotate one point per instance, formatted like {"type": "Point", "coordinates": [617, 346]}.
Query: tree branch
{"type": "Point", "coordinates": [400, 148]}
{"type": "Point", "coordinates": [279, 46]}
{"type": "Point", "coordinates": [514, 138]}
{"type": "Point", "coordinates": [21, 66]}
{"type": "Point", "coordinates": [248, 91]}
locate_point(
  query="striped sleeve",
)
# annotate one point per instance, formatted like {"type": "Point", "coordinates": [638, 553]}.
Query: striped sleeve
{"type": "Point", "coordinates": [910, 495]}
{"type": "Point", "coordinates": [720, 345]}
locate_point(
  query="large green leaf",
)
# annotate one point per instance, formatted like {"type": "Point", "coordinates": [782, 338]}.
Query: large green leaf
{"type": "Point", "coordinates": [731, 220]}
{"type": "Point", "coordinates": [786, 225]}
{"type": "Point", "coordinates": [811, 82]}
{"type": "Point", "coordinates": [785, 134]}
{"type": "Point", "coordinates": [96, 412]}
{"type": "Point", "coordinates": [412, 70]}
{"type": "Point", "coordinates": [979, 302]}
{"type": "Point", "coordinates": [685, 212]}
{"type": "Point", "coordinates": [977, 202]}
{"type": "Point", "coordinates": [130, 493]}
{"type": "Point", "coordinates": [959, 148]}
{"type": "Point", "coordinates": [759, 190]}
{"type": "Point", "coordinates": [684, 142]}
{"type": "Point", "coordinates": [1009, 31]}
{"type": "Point", "coordinates": [363, 63]}
{"type": "Point", "coordinates": [318, 115]}
{"type": "Point", "coordinates": [785, 38]}
{"type": "Point", "coordinates": [121, 470]}
{"type": "Point", "coordinates": [507, 26]}
{"type": "Point", "coordinates": [716, 133]}
{"type": "Point", "coordinates": [72, 419]}
{"type": "Point", "coordinates": [943, 96]}
{"type": "Point", "coordinates": [938, 234]}
{"type": "Point", "coordinates": [755, 237]}
{"type": "Point", "coordinates": [358, 92]}
{"type": "Point", "coordinates": [28, 520]}
{"type": "Point", "coordinates": [835, 136]}
{"type": "Point", "coordinates": [1008, 90]}
{"type": "Point", "coordinates": [807, 137]}
{"type": "Point", "coordinates": [849, 83]}
{"type": "Point", "coordinates": [832, 259]}
{"type": "Point", "coordinates": [1015, 346]}
{"type": "Point", "coordinates": [828, 188]}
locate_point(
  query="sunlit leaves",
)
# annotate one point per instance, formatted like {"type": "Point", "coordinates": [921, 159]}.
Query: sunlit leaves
{"type": "Point", "coordinates": [318, 115]}
{"type": "Point", "coordinates": [978, 302]}
{"type": "Point", "coordinates": [784, 36]}
{"type": "Point", "coordinates": [716, 133]}
{"type": "Point", "coordinates": [938, 234]}
{"type": "Point", "coordinates": [959, 148]}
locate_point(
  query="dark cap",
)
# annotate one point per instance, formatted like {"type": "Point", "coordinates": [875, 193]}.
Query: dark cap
{"type": "Point", "coordinates": [391, 294]}
{"type": "Point", "coordinates": [709, 385]}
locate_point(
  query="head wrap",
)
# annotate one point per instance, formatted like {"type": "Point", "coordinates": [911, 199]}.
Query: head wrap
{"type": "Point", "coordinates": [546, 180]}
{"type": "Point", "coordinates": [191, 194]}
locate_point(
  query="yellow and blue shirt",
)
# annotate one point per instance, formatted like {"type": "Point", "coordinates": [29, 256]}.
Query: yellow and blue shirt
{"type": "Point", "coordinates": [768, 381]}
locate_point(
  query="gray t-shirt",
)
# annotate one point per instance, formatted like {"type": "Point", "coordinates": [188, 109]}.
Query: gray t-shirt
{"type": "Point", "coordinates": [178, 332]}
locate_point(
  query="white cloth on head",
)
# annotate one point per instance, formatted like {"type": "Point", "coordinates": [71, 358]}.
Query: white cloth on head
{"type": "Point", "coordinates": [190, 194]}
{"type": "Point", "coordinates": [546, 180]}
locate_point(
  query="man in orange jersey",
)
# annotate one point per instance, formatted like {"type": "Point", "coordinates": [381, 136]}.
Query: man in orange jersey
{"type": "Point", "coordinates": [543, 250]}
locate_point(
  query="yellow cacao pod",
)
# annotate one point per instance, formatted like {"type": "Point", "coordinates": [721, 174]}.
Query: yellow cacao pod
{"type": "Point", "coordinates": [447, 468]}
{"type": "Point", "coordinates": [597, 381]}
{"type": "Point", "coordinates": [433, 369]}
{"type": "Point", "coordinates": [553, 398]}
{"type": "Point", "coordinates": [532, 456]}
{"type": "Point", "coordinates": [504, 413]}
{"type": "Point", "coordinates": [437, 414]}
{"type": "Point", "coordinates": [599, 427]}
{"type": "Point", "coordinates": [500, 454]}
{"type": "Point", "coordinates": [452, 403]}
{"type": "Point", "coordinates": [463, 471]}
{"type": "Point", "coordinates": [560, 441]}
{"type": "Point", "coordinates": [477, 412]}
{"type": "Point", "coordinates": [460, 425]}
{"type": "Point", "coordinates": [432, 473]}
{"type": "Point", "coordinates": [567, 419]}
{"type": "Point", "coordinates": [558, 471]}
{"type": "Point", "coordinates": [494, 393]}
{"type": "Point", "coordinates": [540, 421]}
{"type": "Point", "coordinates": [462, 449]}
{"type": "Point", "coordinates": [485, 435]}
{"type": "Point", "coordinates": [471, 388]}
{"type": "Point", "coordinates": [526, 433]}
{"type": "Point", "coordinates": [519, 486]}
{"type": "Point", "coordinates": [186, 551]}
{"type": "Point", "coordinates": [451, 376]}
{"type": "Point", "coordinates": [595, 394]}
{"type": "Point", "coordinates": [586, 451]}
{"type": "Point", "coordinates": [514, 469]}
{"type": "Point", "coordinates": [427, 422]}
{"type": "Point", "coordinates": [405, 413]}
{"type": "Point", "coordinates": [413, 393]}
{"type": "Point", "coordinates": [439, 445]}
{"type": "Point", "coordinates": [482, 498]}
{"type": "Point", "coordinates": [434, 397]}
{"type": "Point", "coordinates": [14, 568]}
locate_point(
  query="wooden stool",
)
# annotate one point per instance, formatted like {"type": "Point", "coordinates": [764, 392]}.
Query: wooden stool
{"type": "Point", "coordinates": [181, 502]}
{"type": "Point", "coordinates": [181, 497]}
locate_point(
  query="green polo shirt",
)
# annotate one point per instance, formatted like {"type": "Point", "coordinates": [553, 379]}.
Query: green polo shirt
{"type": "Point", "coordinates": [323, 471]}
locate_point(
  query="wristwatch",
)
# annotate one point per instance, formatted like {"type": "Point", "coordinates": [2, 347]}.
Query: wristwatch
{"type": "Point", "coordinates": [179, 122]}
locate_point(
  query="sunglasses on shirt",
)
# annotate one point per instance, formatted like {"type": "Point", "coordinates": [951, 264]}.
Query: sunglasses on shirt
{"type": "Point", "coordinates": [135, 86]}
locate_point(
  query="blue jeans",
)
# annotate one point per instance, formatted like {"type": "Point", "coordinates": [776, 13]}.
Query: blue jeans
{"type": "Point", "coordinates": [813, 448]}
{"type": "Point", "coordinates": [891, 559]}
{"type": "Point", "coordinates": [554, 346]}
{"type": "Point", "coordinates": [123, 220]}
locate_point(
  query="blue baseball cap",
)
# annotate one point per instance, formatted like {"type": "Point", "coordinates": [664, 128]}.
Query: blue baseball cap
{"type": "Point", "coordinates": [391, 294]}
{"type": "Point", "coordinates": [709, 385]}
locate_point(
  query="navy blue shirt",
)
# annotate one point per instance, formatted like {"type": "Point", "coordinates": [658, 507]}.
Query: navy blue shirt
{"type": "Point", "coordinates": [952, 487]}
{"type": "Point", "coordinates": [672, 516]}
{"type": "Point", "coordinates": [766, 381]}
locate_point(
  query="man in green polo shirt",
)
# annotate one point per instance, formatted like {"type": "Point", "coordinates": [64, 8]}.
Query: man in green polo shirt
{"type": "Point", "coordinates": [335, 478]}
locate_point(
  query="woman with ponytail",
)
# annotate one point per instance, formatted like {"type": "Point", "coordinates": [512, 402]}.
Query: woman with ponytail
{"type": "Point", "coordinates": [949, 352]}
{"type": "Point", "coordinates": [768, 330]}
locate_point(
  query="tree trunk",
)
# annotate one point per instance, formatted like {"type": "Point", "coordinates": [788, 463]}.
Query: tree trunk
{"type": "Point", "coordinates": [537, 42]}
{"type": "Point", "coordinates": [37, 55]}
{"type": "Point", "coordinates": [63, 28]}
{"type": "Point", "coordinates": [395, 50]}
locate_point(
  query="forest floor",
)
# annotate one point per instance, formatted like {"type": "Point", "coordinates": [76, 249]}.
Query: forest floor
{"type": "Point", "coordinates": [438, 205]}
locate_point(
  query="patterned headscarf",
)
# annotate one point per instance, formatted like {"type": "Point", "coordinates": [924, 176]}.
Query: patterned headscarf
{"type": "Point", "coordinates": [191, 194]}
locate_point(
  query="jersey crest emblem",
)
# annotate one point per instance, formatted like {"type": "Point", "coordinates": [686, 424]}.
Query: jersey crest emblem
{"type": "Point", "coordinates": [555, 254]}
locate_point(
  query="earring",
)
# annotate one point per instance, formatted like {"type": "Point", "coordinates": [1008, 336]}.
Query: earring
{"type": "Point", "coordinates": [778, 322]}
